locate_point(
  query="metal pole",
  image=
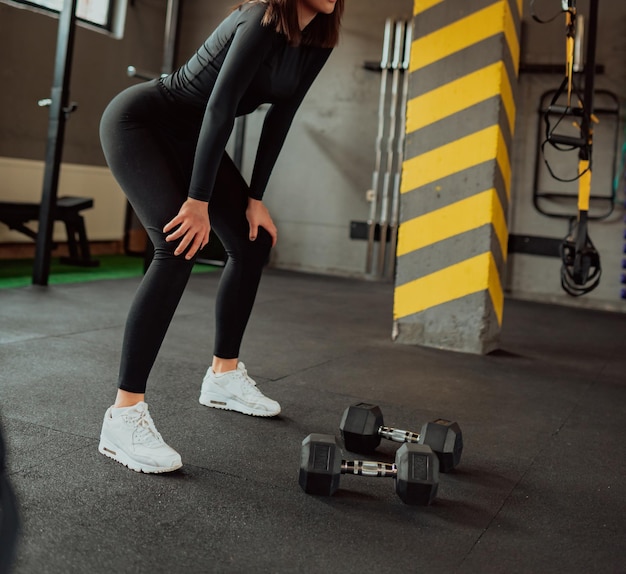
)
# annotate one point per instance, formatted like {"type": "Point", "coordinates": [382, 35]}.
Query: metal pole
{"type": "Point", "coordinates": [393, 120]}
{"type": "Point", "coordinates": [169, 43]}
{"type": "Point", "coordinates": [56, 131]}
{"type": "Point", "coordinates": [579, 41]}
{"type": "Point", "coordinates": [395, 206]}
{"type": "Point", "coordinates": [590, 72]}
{"type": "Point", "coordinates": [373, 194]}
{"type": "Point", "coordinates": [240, 140]}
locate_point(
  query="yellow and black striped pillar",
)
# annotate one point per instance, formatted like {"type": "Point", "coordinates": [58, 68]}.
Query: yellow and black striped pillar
{"type": "Point", "coordinates": [455, 192]}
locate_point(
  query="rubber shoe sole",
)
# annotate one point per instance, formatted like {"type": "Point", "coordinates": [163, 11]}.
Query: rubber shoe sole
{"type": "Point", "coordinates": [120, 456]}
{"type": "Point", "coordinates": [218, 402]}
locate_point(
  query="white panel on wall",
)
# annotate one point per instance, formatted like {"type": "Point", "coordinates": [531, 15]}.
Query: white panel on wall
{"type": "Point", "coordinates": [22, 180]}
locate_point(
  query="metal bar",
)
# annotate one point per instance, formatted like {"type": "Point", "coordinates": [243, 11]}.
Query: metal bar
{"type": "Point", "coordinates": [579, 41]}
{"type": "Point", "coordinates": [171, 33]}
{"type": "Point", "coordinates": [369, 468]}
{"type": "Point", "coordinates": [141, 74]}
{"type": "Point", "coordinates": [590, 63]}
{"type": "Point", "coordinates": [240, 140]}
{"type": "Point", "coordinates": [373, 194]}
{"type": "Point", "coordinates": [569, 51]}
{"type": "Point", "coordinates": [395, 204]}
{"type": "Point", "coordinates": [393, 120]}
{"type": "Point", "coordinates": [56, 130]}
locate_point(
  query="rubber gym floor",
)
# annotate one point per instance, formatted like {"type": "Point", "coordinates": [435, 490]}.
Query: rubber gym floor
{"type": "Point", "coordinates": [540, 487]}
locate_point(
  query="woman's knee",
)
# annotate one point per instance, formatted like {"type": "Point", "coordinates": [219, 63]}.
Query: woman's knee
{"type": "Point", "coordinates": [164, 250]}
{"type": "Point", "coordinates": [243, 249]}
{"type": "Point", "coordinates": [259, 249]}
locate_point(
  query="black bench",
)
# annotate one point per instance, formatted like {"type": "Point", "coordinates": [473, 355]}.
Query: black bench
{"type": "Point", "coordinates": [17, 214]}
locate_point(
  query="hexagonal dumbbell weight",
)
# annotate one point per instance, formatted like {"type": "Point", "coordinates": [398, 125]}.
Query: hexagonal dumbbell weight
{"type": "Point", "coordinates": [362, 428]}
{"type": "Point", "coordinates": [415, 471]}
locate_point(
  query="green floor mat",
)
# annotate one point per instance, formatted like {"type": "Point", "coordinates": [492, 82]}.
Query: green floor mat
{"type": "Point", "coordinates": [18, 272]}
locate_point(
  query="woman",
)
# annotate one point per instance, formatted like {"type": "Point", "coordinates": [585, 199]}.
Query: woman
{"type": "Point", "coordinates": [164, 141]}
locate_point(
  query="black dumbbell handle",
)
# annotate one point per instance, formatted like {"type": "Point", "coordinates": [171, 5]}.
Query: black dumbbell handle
{"type": "Point", "coordinates": [368, 468]}
{"type": "Point", "coordinates": [397, 435]}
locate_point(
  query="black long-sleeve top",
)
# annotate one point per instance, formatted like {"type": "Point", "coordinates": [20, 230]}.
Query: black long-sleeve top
{"type": "Point", "coordinates": [242, 65]}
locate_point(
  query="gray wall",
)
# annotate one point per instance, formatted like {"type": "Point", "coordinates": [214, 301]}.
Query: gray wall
{"type": "Point", "coordinates": [27, 45]}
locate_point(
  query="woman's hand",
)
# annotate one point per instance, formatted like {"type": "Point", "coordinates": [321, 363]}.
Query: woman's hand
{"type": "Point", "coordinates": [192, 227]}
{"type": "Point", "coordinates": [258, 216]}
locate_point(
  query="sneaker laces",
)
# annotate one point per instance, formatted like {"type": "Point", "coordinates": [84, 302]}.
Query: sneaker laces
{"type": "Point", "coordinates": [145, 429]}
{"type": "Point", "coordinates": [250, 384]}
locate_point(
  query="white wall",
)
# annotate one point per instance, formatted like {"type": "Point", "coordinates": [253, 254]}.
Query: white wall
{"type": "Point", "coordinates": [21, 180]}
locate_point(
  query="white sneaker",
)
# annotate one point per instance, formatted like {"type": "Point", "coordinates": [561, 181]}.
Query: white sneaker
{"type": "Point", "coordinates": [236, 391]}
{"type": "Point", "coordinates": [129, 436]}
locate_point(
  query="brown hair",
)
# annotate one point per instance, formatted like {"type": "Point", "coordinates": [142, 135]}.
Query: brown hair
{"type": "Point", "coordinates": [323, 31]}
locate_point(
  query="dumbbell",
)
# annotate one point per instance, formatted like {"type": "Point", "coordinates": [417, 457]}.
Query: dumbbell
{"type": "Point", "coordinates": [362, 427]}
{"type": "Point", "coordinates": [415, 471]}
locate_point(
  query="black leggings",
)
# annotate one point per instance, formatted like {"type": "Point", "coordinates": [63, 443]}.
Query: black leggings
{"type": "Point", "coordinates": [149, 144]}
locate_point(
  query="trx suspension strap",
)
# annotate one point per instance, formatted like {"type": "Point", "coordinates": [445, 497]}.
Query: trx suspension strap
{"type": "Point", "coordinates": [580, 270]}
